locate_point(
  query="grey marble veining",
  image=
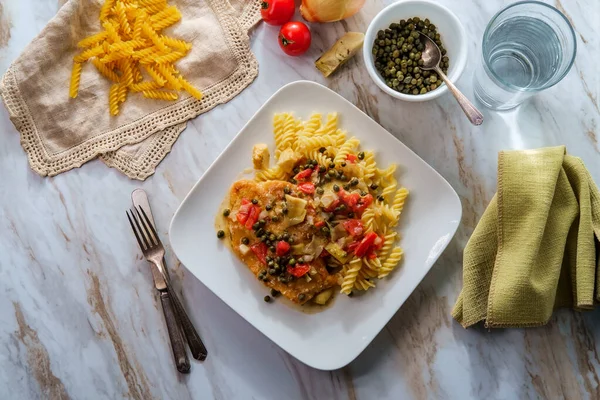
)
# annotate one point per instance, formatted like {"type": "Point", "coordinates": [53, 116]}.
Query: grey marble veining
{"type": "Point", "coordinates": [78, 316]}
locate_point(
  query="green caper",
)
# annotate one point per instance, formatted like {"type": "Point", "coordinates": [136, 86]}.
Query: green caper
{"type": "Point", "coordinates": [380, 198]}
{"type": "Point", "coordinates": [226, 212]}
{"type": "Point", "coordinates": [274, 293]}
{"type": "Point", "coordinates": [331, 172]}
{"type": "Point", "coordinates": [254, 201]}
{"type": "Point", "coordinates": [301, 296]}
{"type": "Point", "coordinates": [361, 155]}
{"type": "Point", "coordinates": [331, 165]}
{"type": "Point", "coordinates": [346, 187]}
{"type": "Point", "coordinates": [373, 186]}
{"type": "Point", "coordinates": [325, 230]}
{"type": "Point", "coordinates": [267, 299]}
{"type": "Point", "coordinates": [397, 53]}
{"type": "Point", "coordinates": [292, 261]}
{"type": "Point", "coordinates": [287, 190]}
{"type": "Point", "coordinates": [354, 182]}
{"type": "Point", "coordinates": [245, 240]}
{"type": "Point", "coordinates": [336, 188]}
{"type": "Point", "coordinates": [320, 190]}
{"type": "Point", "coordinates": [221, 234]}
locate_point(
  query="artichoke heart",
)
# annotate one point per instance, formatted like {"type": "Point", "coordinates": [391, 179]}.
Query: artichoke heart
{"type": "Point", "coordinates": [343, 50]}
{"type": "Point", "coordinates": [296, 210]}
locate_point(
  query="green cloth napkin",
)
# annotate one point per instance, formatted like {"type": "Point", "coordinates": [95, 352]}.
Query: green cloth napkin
{"type": "Point", "coordinates": [534, 248]}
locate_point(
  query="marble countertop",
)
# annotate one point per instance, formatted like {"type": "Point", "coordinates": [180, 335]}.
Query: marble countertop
{"type": "Point", "coordinates": [79, 318]}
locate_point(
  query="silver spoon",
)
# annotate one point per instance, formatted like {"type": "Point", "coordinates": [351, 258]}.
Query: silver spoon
{"type": "Point", "coordinates": [431, 57]}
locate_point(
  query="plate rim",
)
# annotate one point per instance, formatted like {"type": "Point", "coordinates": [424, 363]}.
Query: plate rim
{"type": "Point", "coordinates": [357, 350]}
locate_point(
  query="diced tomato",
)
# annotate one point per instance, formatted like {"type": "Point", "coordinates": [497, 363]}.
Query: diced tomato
{"type": "Point", "coordinates": [378, 243]}
{"type": "Point", "coordinates": [371, 255]}
{"type": "Point", "coordinates": [351, 158]}
{"type": "Point", "coordinates": [365, 244]}
{"type": "Point", "coordinates": [252, 216]}
{"type": "Point", "coordinates": [324, 254]}
{"type": "Point", "coordinates": [363, 203]}
{"type": "Point", "coordinates": [282, 248]}
{"type": "Point", "coordinates": [242, 215]}
{"type": "Point", "coordinates": [298, 270]}
{"type": "Point", "coordinates": [260, 251]}
{"type": "Point", "coordinates": [352, 246]}
{"type": "Point", "coordinates": [354, 227]}
{"type": "Point", "coordinates": [307, 187]}
{"type": "Point", "coordinates": [304, 175]}
{"type": "Point", "coordinates": [333, 205]}
{"type": "Point", "coordinates": [319, 223]}
{"type": "Point", "coordinates": [351, 200]}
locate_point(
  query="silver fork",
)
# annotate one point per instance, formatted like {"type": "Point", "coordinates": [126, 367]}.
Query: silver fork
{"type": "Point", "coordinates": [175, 315]}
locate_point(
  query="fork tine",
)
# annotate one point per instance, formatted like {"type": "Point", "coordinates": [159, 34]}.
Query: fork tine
{"type": "Point", "coordinates": [151, 238]}
{"type": "Point", "coordinates": [135, 232]}
{"type": "Point", "coordinates": [149, 224]}
{"type": "Point", "coordinates": [141, 231]}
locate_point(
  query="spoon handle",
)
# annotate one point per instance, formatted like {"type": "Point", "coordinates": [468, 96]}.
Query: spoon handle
{"type": "Point", "coordinates": [472, 113]}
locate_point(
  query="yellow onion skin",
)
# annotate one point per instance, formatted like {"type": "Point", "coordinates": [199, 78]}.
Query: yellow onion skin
{"type": "Point", "coordinates": [329, 10]}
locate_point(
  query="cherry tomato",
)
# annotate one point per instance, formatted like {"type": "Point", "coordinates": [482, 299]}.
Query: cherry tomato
{"type": "Point", "coordinates": [294, 38]}
{"type": "Point", "coordinates": [277, 12]}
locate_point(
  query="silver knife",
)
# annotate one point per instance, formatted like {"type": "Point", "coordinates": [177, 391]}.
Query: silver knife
{"type": "Point", "coordinates": [197, 348]}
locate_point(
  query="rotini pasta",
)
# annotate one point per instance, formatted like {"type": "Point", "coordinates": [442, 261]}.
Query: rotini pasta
{"type": "Point", "coordinates": [391, 262]}
{"type": "Point", "coordinates": [351, 275]}
{"type": "Point", "coordinates": [346, 148]}
{"type": "Point", "coordinates": [313, 123]}
{"type": "Point", "coordinates": [132, 40]}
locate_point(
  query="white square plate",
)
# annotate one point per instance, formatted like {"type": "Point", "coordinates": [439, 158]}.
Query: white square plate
{"type": "Point", "coordinates": [334, 337]}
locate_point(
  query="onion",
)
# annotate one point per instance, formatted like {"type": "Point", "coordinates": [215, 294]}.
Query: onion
{"type": "Point", "coordinates": [263, 214]}
{"type": "Point", "coordinates": [244, 249]}
{"type": "Point", "coordinates": [329, 10]}
{"type": "Point", "coordinates": [307, 258]}
{"type": "Point", "coordinates": [327, 199]}
{"type": "Point", "coordinates": [310, 220]}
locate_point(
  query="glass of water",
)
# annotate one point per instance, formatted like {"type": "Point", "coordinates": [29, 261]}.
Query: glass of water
{"type": "Point", "coordinates": [527, 47]}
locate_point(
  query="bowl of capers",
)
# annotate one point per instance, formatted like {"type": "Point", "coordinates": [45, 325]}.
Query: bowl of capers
{"type": "Point", "coordinates": [393, 49]}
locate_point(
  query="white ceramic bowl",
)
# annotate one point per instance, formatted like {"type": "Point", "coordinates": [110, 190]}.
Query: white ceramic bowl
{"type": "Point", "coordinates": [448, 25]}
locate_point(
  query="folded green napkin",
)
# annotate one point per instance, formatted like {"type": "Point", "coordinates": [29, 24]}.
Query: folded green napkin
{"type": "Point", "coordinates": [534, 248]}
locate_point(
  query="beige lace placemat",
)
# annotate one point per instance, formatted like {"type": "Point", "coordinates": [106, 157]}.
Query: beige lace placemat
{"type": "Point", "coordinates": [59, 133]}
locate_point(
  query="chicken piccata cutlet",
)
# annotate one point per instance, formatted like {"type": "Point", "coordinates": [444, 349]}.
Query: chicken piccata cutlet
{"type": "Point", "coordinates": [271, 232]}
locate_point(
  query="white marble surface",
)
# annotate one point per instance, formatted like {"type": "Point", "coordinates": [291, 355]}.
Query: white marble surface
{"type": "Point", "coordinates": [78, 316]}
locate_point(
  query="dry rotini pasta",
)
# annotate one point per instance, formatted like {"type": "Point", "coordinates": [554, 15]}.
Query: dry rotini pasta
{"type": "Point", "coordinates": [132, 41]}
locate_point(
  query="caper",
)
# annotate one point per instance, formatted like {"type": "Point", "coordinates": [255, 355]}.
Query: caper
{"type": "Point", "coordinates": [331, 165]}
{"type": "Point", "coordinates": [373, 186]}
{"type": "Point", "coordinates": [336, 188]}
{"type": "Point", "coordinates": [346, 187]}
{"type": "Point", "coordinates": [267, 299]}
{"type": "Point", "coordinates": [354, 182]}
{"type": "Point", "coordinates": [226, 212]}
{"type": "Point", "coordinates": [287, 190]}
{"type": "Point", "coordinates": [380, 198]}
{"type": "Point", "coordinates": [292, 261]}
{"type": "Point", "coordinates": [274, 293]}
{"type": "Point", "coordinates": [361, 155]}
{"type": "Point", "coordinates": [331, 172]}
{"type": "Point", "coordinates": [301, 296]}
{"type": "Point", "coordinates": [221, 234]}
{"type": "Point", "coordinates": [322, 169]}
{"type": "Point", "coordinates": [398, 56]}
{"type": "Point", "coordinates": [245, 240]}
{"type": "Point", "coordinates": [320, 190]}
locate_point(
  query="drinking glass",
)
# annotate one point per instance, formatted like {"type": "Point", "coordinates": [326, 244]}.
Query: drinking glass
{"type": "Point", "coordinates": [527, 47]}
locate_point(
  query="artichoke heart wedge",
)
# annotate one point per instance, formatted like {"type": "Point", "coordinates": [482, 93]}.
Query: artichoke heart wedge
{"type": "Point", "coordinates": [342, 51]}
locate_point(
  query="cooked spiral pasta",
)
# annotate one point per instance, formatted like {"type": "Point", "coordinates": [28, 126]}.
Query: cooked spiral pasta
{"type": "Point", "coordinates": [399, 199]}
{"type": "Point", "coordinates": [288, 137]}
{"type": "Point", "coordinates": [160, 95]}
{"type": "Point", "coordinates": [368, 218]}
{"type": "Point", "coordinates": [372, 267]}
{"type": "Point", "coordinates": [346, 149]}
{"type": "Point", "coordinates": [369, 166]}
{"type": "Point", "coordinates": [321, 158]}
{"type": "Point", "coordinates": [389, 188]}
{"type": "Point", "coordinates": [330, 126]}
{"type": "Point", "coordinates": [351, 275]}
{"type": "Point", "coordinates": [391, 262]}
{"type": "Point", "coordinates": [307, 143]}
{"type": "Point", "coordinates": [313, 123]}
{"type": "Point", "coordinates": [363, 283]}
{"type": "Point", "coordinates": [275, 173]}
{"type": "Point", "coordinates": [388, 243]}
{"type": "Point", "coordinates": [75, 79]}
